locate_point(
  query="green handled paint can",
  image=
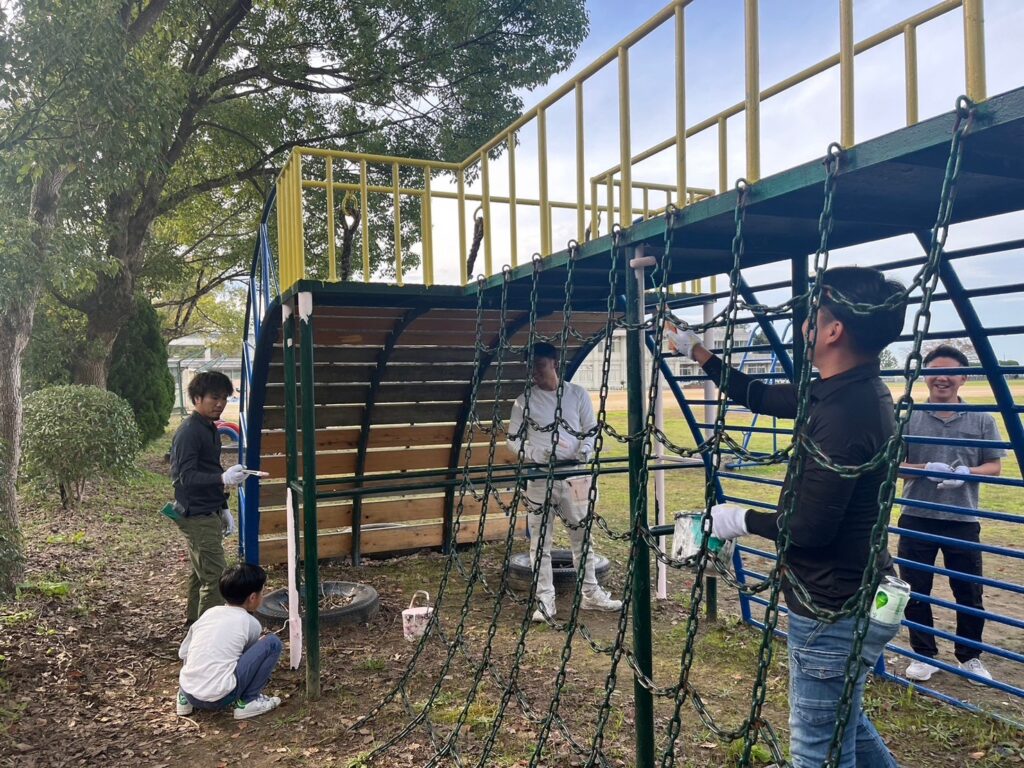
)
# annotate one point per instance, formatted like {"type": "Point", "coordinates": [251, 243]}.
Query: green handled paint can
{"type": "Point", "coordinates": [891, 600]}
{"type": "Point", "coordinates": [688, 536]}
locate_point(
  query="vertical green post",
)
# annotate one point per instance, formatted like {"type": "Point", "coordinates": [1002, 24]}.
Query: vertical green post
{"type": "Point", "coordinates": [311, 625]}
{"type": "Point", "coordinates": [800, 285]}
{"type": "Point", "coordinates": [644, 703]}
{"type": "Point", "coordinates": [291, 442]}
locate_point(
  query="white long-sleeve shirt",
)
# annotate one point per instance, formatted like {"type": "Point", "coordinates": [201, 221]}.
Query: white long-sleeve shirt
{"type": "Point", "coordinates": [577, 411]}
{"type": "Point", "coordinates": [211, 650]}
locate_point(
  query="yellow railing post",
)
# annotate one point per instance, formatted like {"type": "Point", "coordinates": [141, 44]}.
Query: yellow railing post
{"type": "Point", "coordinates": [485, 203]}
{"type": "Point", "coordinates": [427, 225]}
{"type": "Point", "coordinates": [398, 223]}
{"type": "Point", "coordinates": [846, 53]}
{"type": "Point", "coordinates": [974, 49]}
{"type": "Point", "coordinates": [513, 224]}
{"type": "Point", "coordinates": [611, 202]}
{"type": "Point", "coordinates": [910, 59]}
{"type": "Point", "coordinates": [625, 154]}
{"type": "Point", "coordinates": [595, 211]}
{"type": "Point", "coordinates": [753, 93]}
{"type": "Point", "coordinates": [581, 203]}
{"type": "Point", "coordinates": [723, 155]}
{"type": "Point", "coordinates": [364, 215]}
{"type": "Point", "coordinates": [332, 262]}
{"type": "Point", "coordinates": [680, 108]}
{"type": "Point", "coordinates": [461, 196]}
{"type": "Point", "coordinates": [542, 162]}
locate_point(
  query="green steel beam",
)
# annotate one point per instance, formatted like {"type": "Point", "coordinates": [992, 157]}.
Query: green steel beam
{"type": "Point", "coordinates": [642, 649]}
{"type": "Point", "coordinates": [310, 529]}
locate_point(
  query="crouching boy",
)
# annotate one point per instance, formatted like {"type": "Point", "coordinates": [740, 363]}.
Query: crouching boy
{"type": "Point", "coordinates": [226, 662]}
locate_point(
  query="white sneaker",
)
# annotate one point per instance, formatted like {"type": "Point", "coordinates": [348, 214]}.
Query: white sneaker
{"type": "Point", "coordinates": [544, 607]}
{"type": "Point", "coordinates": [182, 706]}
{"type": "Point", "coordinates": [975, 667]}
{"type": "Point", "coordinates": [599, 600]}
{"type": "Point", "coordinates": [258, 706]}
{"type": "Point", "coordinates": [920, 671]}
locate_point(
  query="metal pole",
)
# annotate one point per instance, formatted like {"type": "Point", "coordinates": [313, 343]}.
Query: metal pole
{"type": "Point", "coordinates": [659, 491]}
{"type": "Point", "coordinates": [644, 704]}
{"type": "Point", "coordinates": [753, 95]}
{"type": "Point", "coordinates": [846, 53]}
{"type": "Point", "coordinates": [974, 49]}
{"type": "Point", "coordinates": [311, 556]}
{"type": "Point", "coordinates": [710, 415]}
{"type": "Point", "coordinates": [291, 443]}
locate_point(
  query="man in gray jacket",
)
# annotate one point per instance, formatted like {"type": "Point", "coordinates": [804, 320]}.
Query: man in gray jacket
{"type": "Point", "coordinates": [932, 516]}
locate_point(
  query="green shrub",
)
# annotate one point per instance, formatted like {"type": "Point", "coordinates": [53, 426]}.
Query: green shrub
{"type": "Point", "coordinates": [138, 371]}
{"type": "Point", "coordinates": [73, 433]}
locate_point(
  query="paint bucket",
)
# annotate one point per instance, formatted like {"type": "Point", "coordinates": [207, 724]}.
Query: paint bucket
{"type": "Point", "coordinates": [688, 536]}
{"type": "Point", "coordinates": [416, 617]}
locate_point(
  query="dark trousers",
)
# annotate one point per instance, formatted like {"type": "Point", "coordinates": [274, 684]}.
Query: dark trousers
{"type": "Point", "coordinates": [954, 558]}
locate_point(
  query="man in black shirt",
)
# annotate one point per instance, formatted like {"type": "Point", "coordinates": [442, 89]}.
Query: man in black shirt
{"type": "Point", "coordinates": [850, 418]}
{"type": "Point", "coordinates": [199, 490]}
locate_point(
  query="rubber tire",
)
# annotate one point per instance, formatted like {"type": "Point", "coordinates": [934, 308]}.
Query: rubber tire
{"type": "Point", "coordinates": [274, 609]}
{"type": "Point", "coordinates": [520, 570]}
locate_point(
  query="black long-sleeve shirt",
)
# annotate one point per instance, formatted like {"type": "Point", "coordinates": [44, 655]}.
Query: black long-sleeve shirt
{"type": "Point", "coordinates": [195, 467]}
{"type": "Point", "coordinates": [850, 417]}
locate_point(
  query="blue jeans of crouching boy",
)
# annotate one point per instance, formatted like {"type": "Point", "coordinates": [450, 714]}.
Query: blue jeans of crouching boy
{"type": "Point", "coordinates": [817, 669]}
{"type": "Point", "coordinates": [252, 673]}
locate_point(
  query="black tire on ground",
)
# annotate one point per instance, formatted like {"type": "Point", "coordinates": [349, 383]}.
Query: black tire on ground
{"type": "Point", "coordinates": [363, 607]}
{"type": "Point", "coordinates": [520, 570]}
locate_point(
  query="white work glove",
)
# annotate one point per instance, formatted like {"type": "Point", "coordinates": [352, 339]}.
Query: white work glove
{"type": "Point", "coordinates": [682, 340]}
{"type": "Point", "coordinates": [937, 466]}
{"type": "Point", "coordinates": [583, 456]}
{"type": "Point", "coordinates": [951, 483]}
{"type": "Point", "coordinates": [728, 521]}
{"type": "Point", "coordinates": [233, 476]}
{"type": "Point", "coordinates": [228, 522]}
{"type": "Point", "coordinates": [538, 454]}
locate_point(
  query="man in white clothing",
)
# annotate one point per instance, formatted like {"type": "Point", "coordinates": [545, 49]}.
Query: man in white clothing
{"type": "Point", "coordinates": [570, 497]}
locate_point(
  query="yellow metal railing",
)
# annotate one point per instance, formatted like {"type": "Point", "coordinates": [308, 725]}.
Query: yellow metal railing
{"type": "Point", "coordinates": [615, 196]}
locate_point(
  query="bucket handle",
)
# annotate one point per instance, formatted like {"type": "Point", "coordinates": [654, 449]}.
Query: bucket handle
{"type": "Point", "coordinates": [417, 593]}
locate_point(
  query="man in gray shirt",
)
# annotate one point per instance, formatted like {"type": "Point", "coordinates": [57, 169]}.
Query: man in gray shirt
{"type": "Point", "coordinates": [934, 516]}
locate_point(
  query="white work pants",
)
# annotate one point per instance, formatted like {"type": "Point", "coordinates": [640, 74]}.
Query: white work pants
{"type": "Point", "coordinates": [568, 501]}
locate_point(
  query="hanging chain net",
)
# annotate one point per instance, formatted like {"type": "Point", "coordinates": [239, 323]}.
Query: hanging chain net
{"type": "Point", "coordinates": [458, 659]}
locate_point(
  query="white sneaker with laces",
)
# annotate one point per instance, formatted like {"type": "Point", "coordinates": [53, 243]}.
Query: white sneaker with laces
{"type": "Point", "coordinates": [975, 667]}
{"type": "Point", "coordinates": [258, 706]}
{"type": "Point", "coordinates": [920, 671]}
{"type": "Point", "coordinates": [599, 600]}
{"type": "Point", "coordinates": [544, 607]}
{"type": "Point", "coordinates": [182, 706]}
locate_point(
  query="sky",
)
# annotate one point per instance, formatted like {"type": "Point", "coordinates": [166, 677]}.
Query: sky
{"type": "Point", "coordinates": [796, 126]}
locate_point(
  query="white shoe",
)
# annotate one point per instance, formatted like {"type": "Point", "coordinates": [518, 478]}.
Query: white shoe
{"type": "Point", "coordinates": [920, 671]}
{"type": "Point", "coordinates": [545, 611]}
{"type": "Point", "coordinates": [258, 706]}
{"type": "Point", "coordinates": [182, 706]}
{"type": "Point", "coordinates": [599, 600]}
{"type": "Point", "coordinates": [975, 667]}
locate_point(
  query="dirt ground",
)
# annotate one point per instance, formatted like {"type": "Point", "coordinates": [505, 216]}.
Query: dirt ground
{"type": "Point", "coordinates": [88, 667]}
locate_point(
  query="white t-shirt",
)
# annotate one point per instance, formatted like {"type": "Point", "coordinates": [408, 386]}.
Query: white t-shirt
{"type": "Point", "coordinates": [211, 650]}
{"type": "Point", "coordinates": [577, 411]}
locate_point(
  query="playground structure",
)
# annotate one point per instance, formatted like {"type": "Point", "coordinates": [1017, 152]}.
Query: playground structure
{"type": "Point", "coordinates": [398, 384]}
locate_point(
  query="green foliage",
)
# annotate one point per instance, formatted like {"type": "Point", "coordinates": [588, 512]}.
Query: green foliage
{"type": "Point", "coordinates": [138, 372]}
{"type": "Point", "coordinates": [57, 333]}
{"type": "Point", "coordinates": [55, 590]}
{"type": "Point", "coordinates": [72, 433]}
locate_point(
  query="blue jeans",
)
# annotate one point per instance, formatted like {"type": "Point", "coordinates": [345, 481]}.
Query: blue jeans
{"type": "Point", "coordinates": [252, 673]}
{"type": "Point", "coordinates": [817, 669]}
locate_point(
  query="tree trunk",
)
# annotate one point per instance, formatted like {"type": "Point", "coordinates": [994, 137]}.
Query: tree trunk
{"type": "Point", "coordinates": [107, 308]}
{"type": "Point", "coordinates": [15, 330]}
{"type": "Point", "coordinates": [109, 305]}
